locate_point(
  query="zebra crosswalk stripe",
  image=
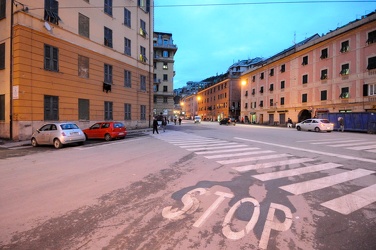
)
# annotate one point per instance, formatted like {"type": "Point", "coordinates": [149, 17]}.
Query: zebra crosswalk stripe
{"type": "Point", "coordinates": [363, 147]}
{"type": "Point", "coordinates": [253, 158]}
{"type": "Point", "coordinates": [238, 154]}
{"type": "Point", "coordinates": [271, 164]}
{"type": "Point", "coordinates": [296, 171]}
{"type": "Point", "coordinates": [225, 151]}
{"type": "Point", "coordinates": [320, 183]}
{"type": "Point", "coordinates": [199, 143]}
{"type": "Point", "coordinates": [334, 142]}
{"type": "Point", "coordinates": [210, 145]}
{"type": "Point", "coordinates": [351, 202]}
{"type": "Point", "coordinates": [351, 144]}
{"type": "Point", "coordinates": [209, 148]}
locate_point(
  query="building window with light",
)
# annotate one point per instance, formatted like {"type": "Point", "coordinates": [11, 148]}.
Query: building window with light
{"type": "Point", "coordinates": [165, 66]}
{"type": "Point", "coordinates": [345, 69]}
{"type": "Point", "coordinates": [345, 46]}
{"type": "Point", "coordinates": [324, 74]}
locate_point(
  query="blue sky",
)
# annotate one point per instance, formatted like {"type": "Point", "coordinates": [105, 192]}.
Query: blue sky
{"type": "Point", "coordinates": [213, 34]}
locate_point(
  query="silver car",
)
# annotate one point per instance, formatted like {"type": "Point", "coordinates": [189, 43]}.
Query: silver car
{"type": "Point", "coordinates": [58, 134]}
{"type": "Point", "coordinates": [316, 125]}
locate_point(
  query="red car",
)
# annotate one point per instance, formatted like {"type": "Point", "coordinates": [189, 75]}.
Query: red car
{"type": "Point", "coordinates": [106, 130]}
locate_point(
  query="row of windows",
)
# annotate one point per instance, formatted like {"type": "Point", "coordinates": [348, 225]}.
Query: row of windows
{"type": "Point", "coordinates": [324, 54]}
{"type": "Point", "coordinates": [345, 70]}
{"type": "Point", "coordinates": [51, 109]}
{"type": "Point", "coordinates": [345, 94]}
{"type": "Point", "coordinates": [212, 90]}
{"type": "Point", "coordinates": [51, 63]}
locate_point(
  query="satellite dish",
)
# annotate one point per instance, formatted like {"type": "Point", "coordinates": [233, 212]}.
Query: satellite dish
{"type": "Point", "coordinates": [47, 26]}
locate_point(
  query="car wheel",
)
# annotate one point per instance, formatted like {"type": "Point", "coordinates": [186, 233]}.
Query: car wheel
{"type": "Point", "coordinates": [34, 142]}
{"type": "Point", "coordinates": [298, 128]}
{"type": "Point", "coordinates": [107, 137]}
{"type": "Point", "coordinates": [57, 143]}
{"type": "Point", "coordinates": [317, 129]}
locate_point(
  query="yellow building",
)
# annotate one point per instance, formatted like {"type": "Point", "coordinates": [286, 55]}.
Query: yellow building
{"type": "Point", "coordinates": [81, 61]}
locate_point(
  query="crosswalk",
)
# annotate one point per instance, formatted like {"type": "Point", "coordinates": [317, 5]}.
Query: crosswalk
{"type": "Point", "coordinates": [351, 144]}
{"type": "Point", "coordinates": [270, 165]}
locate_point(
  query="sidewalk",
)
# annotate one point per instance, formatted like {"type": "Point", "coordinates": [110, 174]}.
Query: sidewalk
{"type": "Point", "coordinates": [12, 144]}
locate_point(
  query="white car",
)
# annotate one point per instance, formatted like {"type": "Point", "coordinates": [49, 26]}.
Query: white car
{"type": "Point", "coordinates": [316, 125]}
{"type": "Point", "coordinates": [197, 119]}
{"type": "Point", "coordinates": [58, 134]}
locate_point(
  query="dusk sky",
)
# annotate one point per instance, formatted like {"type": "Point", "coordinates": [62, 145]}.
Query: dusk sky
{"type": "Point", "coordinates": [211, 35]}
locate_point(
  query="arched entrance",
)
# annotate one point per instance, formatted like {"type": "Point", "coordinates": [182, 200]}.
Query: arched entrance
{"type": "Point", "coordinates": [304, 114]}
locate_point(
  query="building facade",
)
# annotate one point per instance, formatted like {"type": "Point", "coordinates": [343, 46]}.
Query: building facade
{"type": "Point", "coordinates": [80, 61]}
{"type": "Point", "coordinates": [332, 73]}
{"type": "Point", "coordinates": [220, 100]}
{"type": "Point", "coordinates": [164, 52]}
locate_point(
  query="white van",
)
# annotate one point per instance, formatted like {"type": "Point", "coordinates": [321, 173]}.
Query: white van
{"type": "Point", "coordinates": [197, 119]}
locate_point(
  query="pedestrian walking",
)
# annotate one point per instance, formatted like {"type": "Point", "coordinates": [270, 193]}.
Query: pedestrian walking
{"type": "Point", "coordinates": [164, 124]}
{"type": "Point", "coordinates": [179, 120]}
{"type": "Point", "coordinates": [155, 125]}
{"type": "Point", "coordinates": [341, 124]}
{"type": "Point", "coordinates": [289, 123]}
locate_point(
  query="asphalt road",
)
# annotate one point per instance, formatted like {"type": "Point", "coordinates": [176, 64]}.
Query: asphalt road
{"type": "Point", "coordinates": [196, 186]}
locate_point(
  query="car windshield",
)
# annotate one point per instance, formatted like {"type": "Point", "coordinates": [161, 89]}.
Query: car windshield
{"type": "Point", "coordinates": [68, 126]}
{"type": "Point", "coordinates": [325, 121]}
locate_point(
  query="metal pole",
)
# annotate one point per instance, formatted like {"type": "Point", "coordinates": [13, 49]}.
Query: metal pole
{"type": "Point", "coordinates": [11, 74]}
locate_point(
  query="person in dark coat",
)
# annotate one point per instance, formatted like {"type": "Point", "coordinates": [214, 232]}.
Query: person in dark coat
{"type": "Point", "coordinates": [155, 125]}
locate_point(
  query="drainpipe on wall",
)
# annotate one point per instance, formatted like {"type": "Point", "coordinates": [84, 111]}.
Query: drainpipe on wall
{"type": "Point", "coordinates": [151, 66]}
{"type": "Point", "coordinates": [11, 74]}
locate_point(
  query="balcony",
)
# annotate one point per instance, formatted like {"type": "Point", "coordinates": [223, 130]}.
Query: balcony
{"type": "Point", "coordinates": [165, 46]}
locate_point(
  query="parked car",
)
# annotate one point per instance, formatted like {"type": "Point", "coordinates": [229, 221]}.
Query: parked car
{"type": "Point", "coordinates": [58, 134]}
{"type": "Point", "coordinates": [106, 130]}
{"type": "Point", "coordinates": [227, 121]}
{"type": "Point", "coordinates": [197, 119]}
{"type": "Point", "coordinates": [316, 125]}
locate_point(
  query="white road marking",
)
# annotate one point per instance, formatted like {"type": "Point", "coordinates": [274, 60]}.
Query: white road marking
{"type": "Point", "coordinates": [363, 147]}
{"type": "Point", "coordinates": [271, 164]}
{"type": "Point", "coordinates": [210, 145]}
{"type": "Point", "coordinates": [318, 140]}
{"type": "Point", "coordinates": [225, 151]}
{"type": "Point", "coordinates": [351, 202]}
{"type": "Point", "coordinates": [372, 151]}
{"type": "Point", "coordinates": [199, 143]}
{"type": "Point", "coordinates": [209, 148]}
{"type": "Point", "coordinates": [296, 171]}
{"type": "Point", "coordinates": [238, 154]}
{"type": "Point", "coordinates": [213, 207]}
{"type": "Point", "coordinates": [320, 183]}
{"type": "Point", "coordinates": [334, 142]}
{"type": "Point", "coordinates": [351, 144]}
{"type": "Point", "coordinates": [310, 151]}
{"type": "Point", "coordinates": [253, 158]}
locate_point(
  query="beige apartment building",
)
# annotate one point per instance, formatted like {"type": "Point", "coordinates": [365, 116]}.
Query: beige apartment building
{"type": "Point", "coordinates": [220, 100]}
{"type": "Point", "coordinates": [328, 74]}
{"type": "Point", "coordinates": [164, 52]}
{"type": "Point", "coordinates": [81, 61]}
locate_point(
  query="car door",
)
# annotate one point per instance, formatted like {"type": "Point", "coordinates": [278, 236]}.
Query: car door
{"type": "Point", "coordinates": [44, 134]}
{"type": "Point", "coordinates": [306, 125]}
{"type": "Point", "coordinates": [94, 130]}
